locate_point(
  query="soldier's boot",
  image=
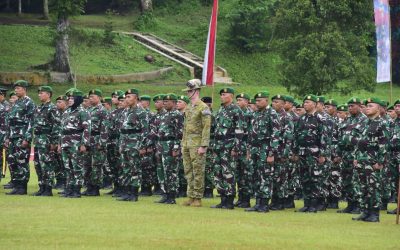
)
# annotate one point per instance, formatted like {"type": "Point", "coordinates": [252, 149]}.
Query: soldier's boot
{"type": "Point", "coordinates": [188, 202]}
{"type": "Point", "coordinates": [143, 190]}
{"type": "Point", "coordinates": [239, 201]}
{"type": "Point", "coordinates": [289, 202]}
{"type": "Point", "coordinates": [107, 183]}
{"type": "Point", "coordinates": [95, 191]}
{"type": "Point", "coordinates": [125, 193]}
{"type": "Point", "coordinates": [392, 211]}
{"type": "Point", "coordinates": [298, 195]}
{"type": "Point", "coordinates": [119, 191]}
{"type": "Point", "coordinates": [15, 188]}
{"type": "Point", "coordinates": [208, 193]}
{"type": "Point", "coordinates": [113, 190]}
{"type": "Point", "coordinates": [263, 206]}
{"type": "Point", "coordinates": [393, 198]}
{"type": "Point", "coordinates": [196, 203]}
{"type": "Point", "coordinates": [305, 207]}
{"type": "Point", "coordinates": [384, 205]}
{"type": "Point", "coordinates": [313, 206]}
{"type": "Point", "coordinates": [321, 204]}
{"type": "Point", "coordinates": [333, 203]}
{"type": "Point", "coordinates": [277, 205]}
{"type": "Point", "coordinates": [48, 191]}
{"type": "Point", "coordinates": [20, 188]}
{"type": "Point", "coordinates": [255, 207]}
{"type": "Point", "coordinates": [163, 199]}
{"type": "Point", "coordinates": [348, 209]}
{"type": "Point", "coordinates": [157, 190]}
{"type": "Point", "coordinates": [222, 203]}
{"type": "Point", "coordinates": [40, 191]}
{"type": "Point", "coordinates": [88, 190]}
{"type": "Point", "coordinates": [273, 201]}
{"type": "Point", "coordinates": [9, 185]}
{"type": "Point", "coordinates": [75, 192]}
{"type": "Point", "coordinates": [133, 194]}
{"type": "Point", "coordinates": [373, 215]}
{"type": "Point", "coordinates": [60, 184]}
{"type": "Point", "coordinates": [67, 190]}
{"type": "Point", "coordinates": [170, 198]}
{"type": "Point", "coordinates": [229, 202]}
{"type": "Point", "coordinates": [356, 208]}
{"type": "Point", "coordinates": [362, 216]}
{"type": "Point", "coordinates": [245, 202]}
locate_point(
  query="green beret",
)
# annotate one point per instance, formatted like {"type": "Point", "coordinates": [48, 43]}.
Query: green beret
{"type": "Point", "coordinates": [299, 105]}
{"type": "Point", "coordinates": [170, 96]}
{"type": "Point", "coordinates": [321, 99]}
{"type": "Point", "coordinates": [262, 94]}
{"type": "Point", "coordinates": [47, 89]}
{"type": "Point", "coordinates": [313, 98]}
{"type": "Point", "coordinates": [121, 97]}
{"type": "Point", "coordinates": [158, 97]}
{"type": "Point", "coordinates": [69, 91]}
{"type": "Point", "coordinates": [97, 92]}
{"type": "Point", "coordinates": [278, 97]}
{"type": "Point", "coordinates": [132, 91]}
{"type": "Point", "coordinates": [331, 102]}
{"type": "Point", "coordinates": [342, 107]}
{"type": "Point", "coordinates": [12, 93]}
{"type": "Point", "coordinates": [396, 102]}
{"type": "Point", "coordinates": [145, 98]}
{"type": "Point", "coordinates": [107, 100]}
{"type": "Point", "coordinates": [184, 98]}
{"type": "Point", "coordinates": [385, 103]}
{"type": "Point", "coordinates": [76, 92]}
{"type": "Point", "coordinates": [289, 98]}
{"type": "Point", "coordinates": [354, 100]}
{"type": "Point", "coordinates": [117, 93]}
{"type": "Point", "coordinates": [244, 96]}
{"type": "Point", "coordinates": [390, 108]}
{"type": "Point", "coordinates": [85, 97]}
{"type": "Point", "coordinates": [295, 103]}
{"type": "Point", "coordinates": [20, 83]}
{"type": "Point", "coordinates": [252, 101]}
{"type": "Point", "coordinates": [373, 100]}
{"type": "Point", "coordinates": [227, 90]}
{"type": "Point", "coordinates": [62, 98]}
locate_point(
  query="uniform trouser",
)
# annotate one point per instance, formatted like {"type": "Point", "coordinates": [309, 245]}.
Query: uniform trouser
{"type": "Point", "coordinates": [74, 165]}
{"type": "Point", "coordinates": [244, 175]}
{"type": "Point", "coordinates": [280, 177]}
{"type": "Point", "coordinates": [44, 160]}
{"type": "Point", "coordinates": [224, 171]}
{"type": "Point", "coordinates": [18, 160]}
{"type": "Point", "coordinates": [263, 172]}
{"type": "Point", "coordinates": [181, 172]}
{"type": "Point", "coordinates": [326, 169]}
{"type": "Point", "coordinates": [194, 165]}
{"type": "Point", "coordinates": [394, 172]}
{"type": "Point", "coordinates": [311, 176]}
{"type": "Point", "coordinates": [59, 170]}
{"type": "Point", "coordinates": [368, 192]}
{"type": "Point", "coordinates": [209, 171]}
{"type": "Point", "coordinates": [130, 167]}
{"type": "Point", "coordinates": [97, 159]}
{"type": "Point", "coordinates": [348, 180]}
{"type": "Point", "coordinates": [113, 161]}
{"type": "Point", "coordinates": [159, 166]}
{"type": "Point", "coordinates": [293, 178]}
{"type": "Point", "coordinates": [385, 182]}
{"type": "Point", "coordinates": [170, 167]}
{"type": "Point", "coordinates": [1, 158]}
{"type": "Point", "coordinates": [335, 181]}
{"type": "Point", "coordinates": [148, 172]}
{"type": "Point", "coordinates": [86, 166]}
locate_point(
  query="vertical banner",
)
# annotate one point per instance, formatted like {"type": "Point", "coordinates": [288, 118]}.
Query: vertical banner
{"type": "Point", "coordinates": [383, 41]}
{"type": "Point", "coordinates": [209, 55]}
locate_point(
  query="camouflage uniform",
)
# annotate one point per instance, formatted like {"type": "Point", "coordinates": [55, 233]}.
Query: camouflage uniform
{"type": "Point", "coordinates": [294, 184]}
{"type": "Point", "coordinates": [20, 125]}
{"type": "Point", "coordinates": [154, 126]}
{"type": "Point", "coordinates": [59, 169]}
{"type": "Point", "coordinates": [386, 173]}
{"type": "Point", "coordinates": [394, 147]}
{"type": "Point", "coordinates": [334, 180]}
{"type": "Point", "coordinates": [4, 108]}
{"type": "Point", "coordinates": [46, 134]}
{"type": "Point", "coordinates": [148, 169]}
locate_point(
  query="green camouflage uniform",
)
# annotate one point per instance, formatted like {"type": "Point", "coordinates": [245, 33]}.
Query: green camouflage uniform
{"type": "Point", "coordinates": [59, 169]}
{"type": "Point", "coordinates": [113, 154]}
{"type": "Point", "coordinates": [294, 184]}
{"type": "Point", "coordinates": [334, 178]}
{"type": "Point", "coordinates": [148, 169]}
{"type": "Point", "coordinates": [385, 174]}
{"type": "Point", "coordinates": [4, 108]}
{"type": "Point", "coordinates": [394, 147]}
{"type": "Point", "coordinates": [154, 126]}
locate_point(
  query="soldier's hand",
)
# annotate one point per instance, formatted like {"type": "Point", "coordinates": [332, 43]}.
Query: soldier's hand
{"type": "Point", "coordinates": [25, 144]}
{"type": "Point", "coordinates": [321, 160]}
{"type": "Point", "coordinates": [248, 155]}
{"type": "Point", "coordinates": [6, 143]}
{"type": "Point", "coordinates": [378, 166]}
{"type": "Point", "coordinates": [142, 151]}
{"type": "Point", "coordinates": [270, 159]}
{"type": "Point", "coordinates": [175, 153]}
{"type": "Point", "coordinates": [355, 163]}
{"type": "Point", "coordinates": [59, 148]}
{"type": "Point", "coordinates": [202, 150]}
{"type": "Point", "coordinates": [295, 158]}
{"type": "Point", "coordinates": [337, 160]}
{"type": "Point", "coordinates": [82, 149]}
{"type": "Point", "coordinates": [149, 150]}
{"type": "Point", "coordinates": [234, 153]}
{"type": "Point", "coordinates": [53, 147]}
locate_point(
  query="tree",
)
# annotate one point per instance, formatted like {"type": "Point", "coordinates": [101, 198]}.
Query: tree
{"type": "Point", "coordinates": [46, 9]}
{"type": "Point", "coordinates": [19, 7]}
{"type": "Point", "coordinates": [323, 45]}
{"type": "Point", "coordinates": [64, 9]}
{"type": "Point", "coordinates": [146, 6]}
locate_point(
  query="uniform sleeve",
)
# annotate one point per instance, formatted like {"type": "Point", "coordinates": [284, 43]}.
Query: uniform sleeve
{"type": "Point", "coordinates": [30, 109]}
{"type": "Point", "coordinates": [288, 135]}
{"type": "Point", "coordinates": [55, 122]}
{"type": "Point", "coordinates": [206, 122]}
{"type": "Point", "coordinates": [104, 128]}
{"type": "Point", "coordinates": [87, 127]}
{"type": "Point", "coordinates": [179, 131]}
{"type": "Point", "coordinates": [275, 127]}
{"type": "Point", "coordinates": [145, 130]}
{"type": "Point", "coordinates": [383, 138]}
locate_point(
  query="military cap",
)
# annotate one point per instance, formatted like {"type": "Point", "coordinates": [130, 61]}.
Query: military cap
{"type": "Point", "coordinates": [278, 97]}
{"type": "Point", "coordinates": [390, 108]}
{"type": "Point", "coordinates": [397, 102]}
{"type": "Point", "coordinates": [184, 98]}
{"type": "Point", "coordinates": [158, 97]}
{"type": "Point", "coordinates": [97, 92]}
{"type": "Point", "coordinates": [206, 99]}
{"type": "Point", "coordinates": [227, 90]}
{"type": "Point", "coordinates": [252, 101]}
{"type": "Point", "coordinates": [132, 91]}
{"type": "Point", "coordinates": [313, 98]}
{"type": "Point", "coordinates": [321, 99]}
{"type": "Point", "coordinates": [384, 103]}
{"type": "Point", "coordinates": [85, 97]}
{"type": "Point", "coordinates": [170, 97]}
{"type": "Point", "coordinates": [76, 92]}
{"type": "Point", "coordinates": [107, 100]}
{"type": "Point", "coordinates": [354, 100]}
{"type": "Point", "coordinates": [244, 96]}
{"type": "Point", "coordinates": [117, 92]}
{"type": "Point", "coordinates": [62, 98]}
{"type": "Point", "coordinates": [3, 91]}
{"type": "Point", "coordinates": [21, 83]}
{"type": "Point", "coordinates": [11, 93]}
{"type": "Point", "coordinates": [331, 102]}
{"type": "Point", "coordinates": [289, 98]}
{"type": "Point", "coordinates": [121, 97]}
{"type": "Point", "coordinates": [47, 89]}
{"type": "Point", "coordinates": [373, 100]}
{"type": "Point", "coordinates": [145, 98]}
{"type": "Point", "coordinates": [192, 85]}
{"type": "Point", "coordinates": [261, 94]}
{"type": "Point", "coordinates": [295, 103]}
{"type": "Point", "coordinates": [342, 107]}
{"type": "Point", "coordinates": [299, 105]}
{"type": "Point", "coordinates": [70, 91]}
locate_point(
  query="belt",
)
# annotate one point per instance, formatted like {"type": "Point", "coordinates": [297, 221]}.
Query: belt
{"type": "Point", "coordinates": [72, 131]}
{"type": "Point", "coordinates": [15, 123]}
{"type": "Point", "coordinates": [42, 132]}
{"type": "Point", "coordinates": [95, 133]}
{"type": "Point", "coordinates": [130, 131]}
{"type": "Point", "coordinates": [224, 137]}
{"type": "Point", "coordinates": [167, 138]}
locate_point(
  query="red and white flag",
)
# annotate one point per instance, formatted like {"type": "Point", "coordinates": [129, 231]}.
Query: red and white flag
{"type": "Point", "coordinates": [209, 55]}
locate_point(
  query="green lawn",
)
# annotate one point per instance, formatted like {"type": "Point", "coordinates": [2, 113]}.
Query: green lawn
{"type": "Point", "coordinates": [103, 223]}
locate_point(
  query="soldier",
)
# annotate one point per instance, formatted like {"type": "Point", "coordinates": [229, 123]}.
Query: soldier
{"type": "Point", "coordinates": [107, 172]}
{"type": "Point", "coordinates": [86, 155]}
{"type": "Point", "coordinates": [342, 113]}
{"type": "Point", "coordinates": [13, 98]}
{"type": "Point", "coordinates": [107, 103]}
{"type": "Point", "coordinates": [244, 172]}
{"type": "Point", "coordinates": [74, 142]}
{"type": "Point", "coordinates": [195, 140]}
{"type": "Point", "coordinates": [264, 142]}
{"type": "Point", "coordinates": [209, 169]}
{"type": "Point", "coordinates": [98, 143]}
{"type": "Point", "coordinates": [252, 105]}
{"type": "Point", "coordinates": [281, 164]}
{"type": "Point", "coordinates": [349, 129]}
{"type": "Point", "coordinates": [132, 145]}
{"type": "Point", "coordinates": [4, 108]}
{"type": "Point", "coordinates": [391, 113]}
{"type": "Point", "coordinates": [86, 102]}
{"type": "Point", "coordinates": [369, 160]}
{"type": "Point", "coordinates": [181, 105]}
{"type": "Point", "coordinates": [310, 140]}
{"type": "Point", "coordinates": [395, 151]}
{"type": "Point", "coordinates": [59, 170]}
{"type": "Point", "coordinates": [45, 141]}
{"type": "Point", "coordinates": [18, 138]}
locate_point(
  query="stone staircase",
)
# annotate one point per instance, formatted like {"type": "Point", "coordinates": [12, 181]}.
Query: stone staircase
{"type": "Point", "coordinates": [185, 58]}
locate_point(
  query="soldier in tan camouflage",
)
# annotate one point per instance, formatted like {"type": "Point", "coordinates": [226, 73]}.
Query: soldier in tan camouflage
{"type": "Point", "coordinates": [196, 137]}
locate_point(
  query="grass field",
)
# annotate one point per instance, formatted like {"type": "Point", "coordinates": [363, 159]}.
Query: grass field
{"type": "Point", "coordinates": [29, 222]}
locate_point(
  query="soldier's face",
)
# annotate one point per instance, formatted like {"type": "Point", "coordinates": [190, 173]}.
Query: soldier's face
{"type": "Point", "coordinates": [354, 109]}
{"type": "Point", "coordinates": [300, 111]}
{"type": "Point", "coordinates": [2, 97]}
{"type": "Point", "coordinates": [372, 110]}
{"type": "Point", "coordinates": [253, 107]}
{"type": "Point", "coordinates": [44, 96]}
{"type": "Point", "coordinates": [107, 105]}
{"type": "Point", "coordinates": [397, 109]}
{"type": "Point", "coordinates": [392, 114]}
{"type": "Point", "coordinates": [145, 104]}
{"type": "Point", "coordinates": [121, 103]}
{"type": "Point", "coordinates": [71, 101]}
{"type": "Point", "coordinates": [242, 102]}
{"type": "Point", "coordinates": [94, 99]}
{"type": "Point", "coordinates": [342, 114]}
{"type": "Point", "coordinates": [320, 106]}
{"type": "Point", "coordinates": [226, 98]}
{"type": "Point", "coordinates": [309, 106]}
{"type": "Point", "coordinates": [180, 105]}
{"type": "Point", "coordinates": [278, 104]}
{"type": "Point", "coordinates": [169, 104]}
{"type": "Point", "coordinates": [131, 100]}
{"type": "Point", "coordinates": [86, 103]}
{"type": "Point", "coordinates": [20, 91]}
{"type": "Point", "coordinates": [114, 100]}
{"type": "Point", "coordinates": [61, 104]}
{"type": "Point", "coordinates": [288, 106]}
{"type": "Point", "coordinates": [158, 105]}
{"type": "Point", "coordinates": [330, 109]}
{"type": "Point", "coordinates": [261, 103]}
